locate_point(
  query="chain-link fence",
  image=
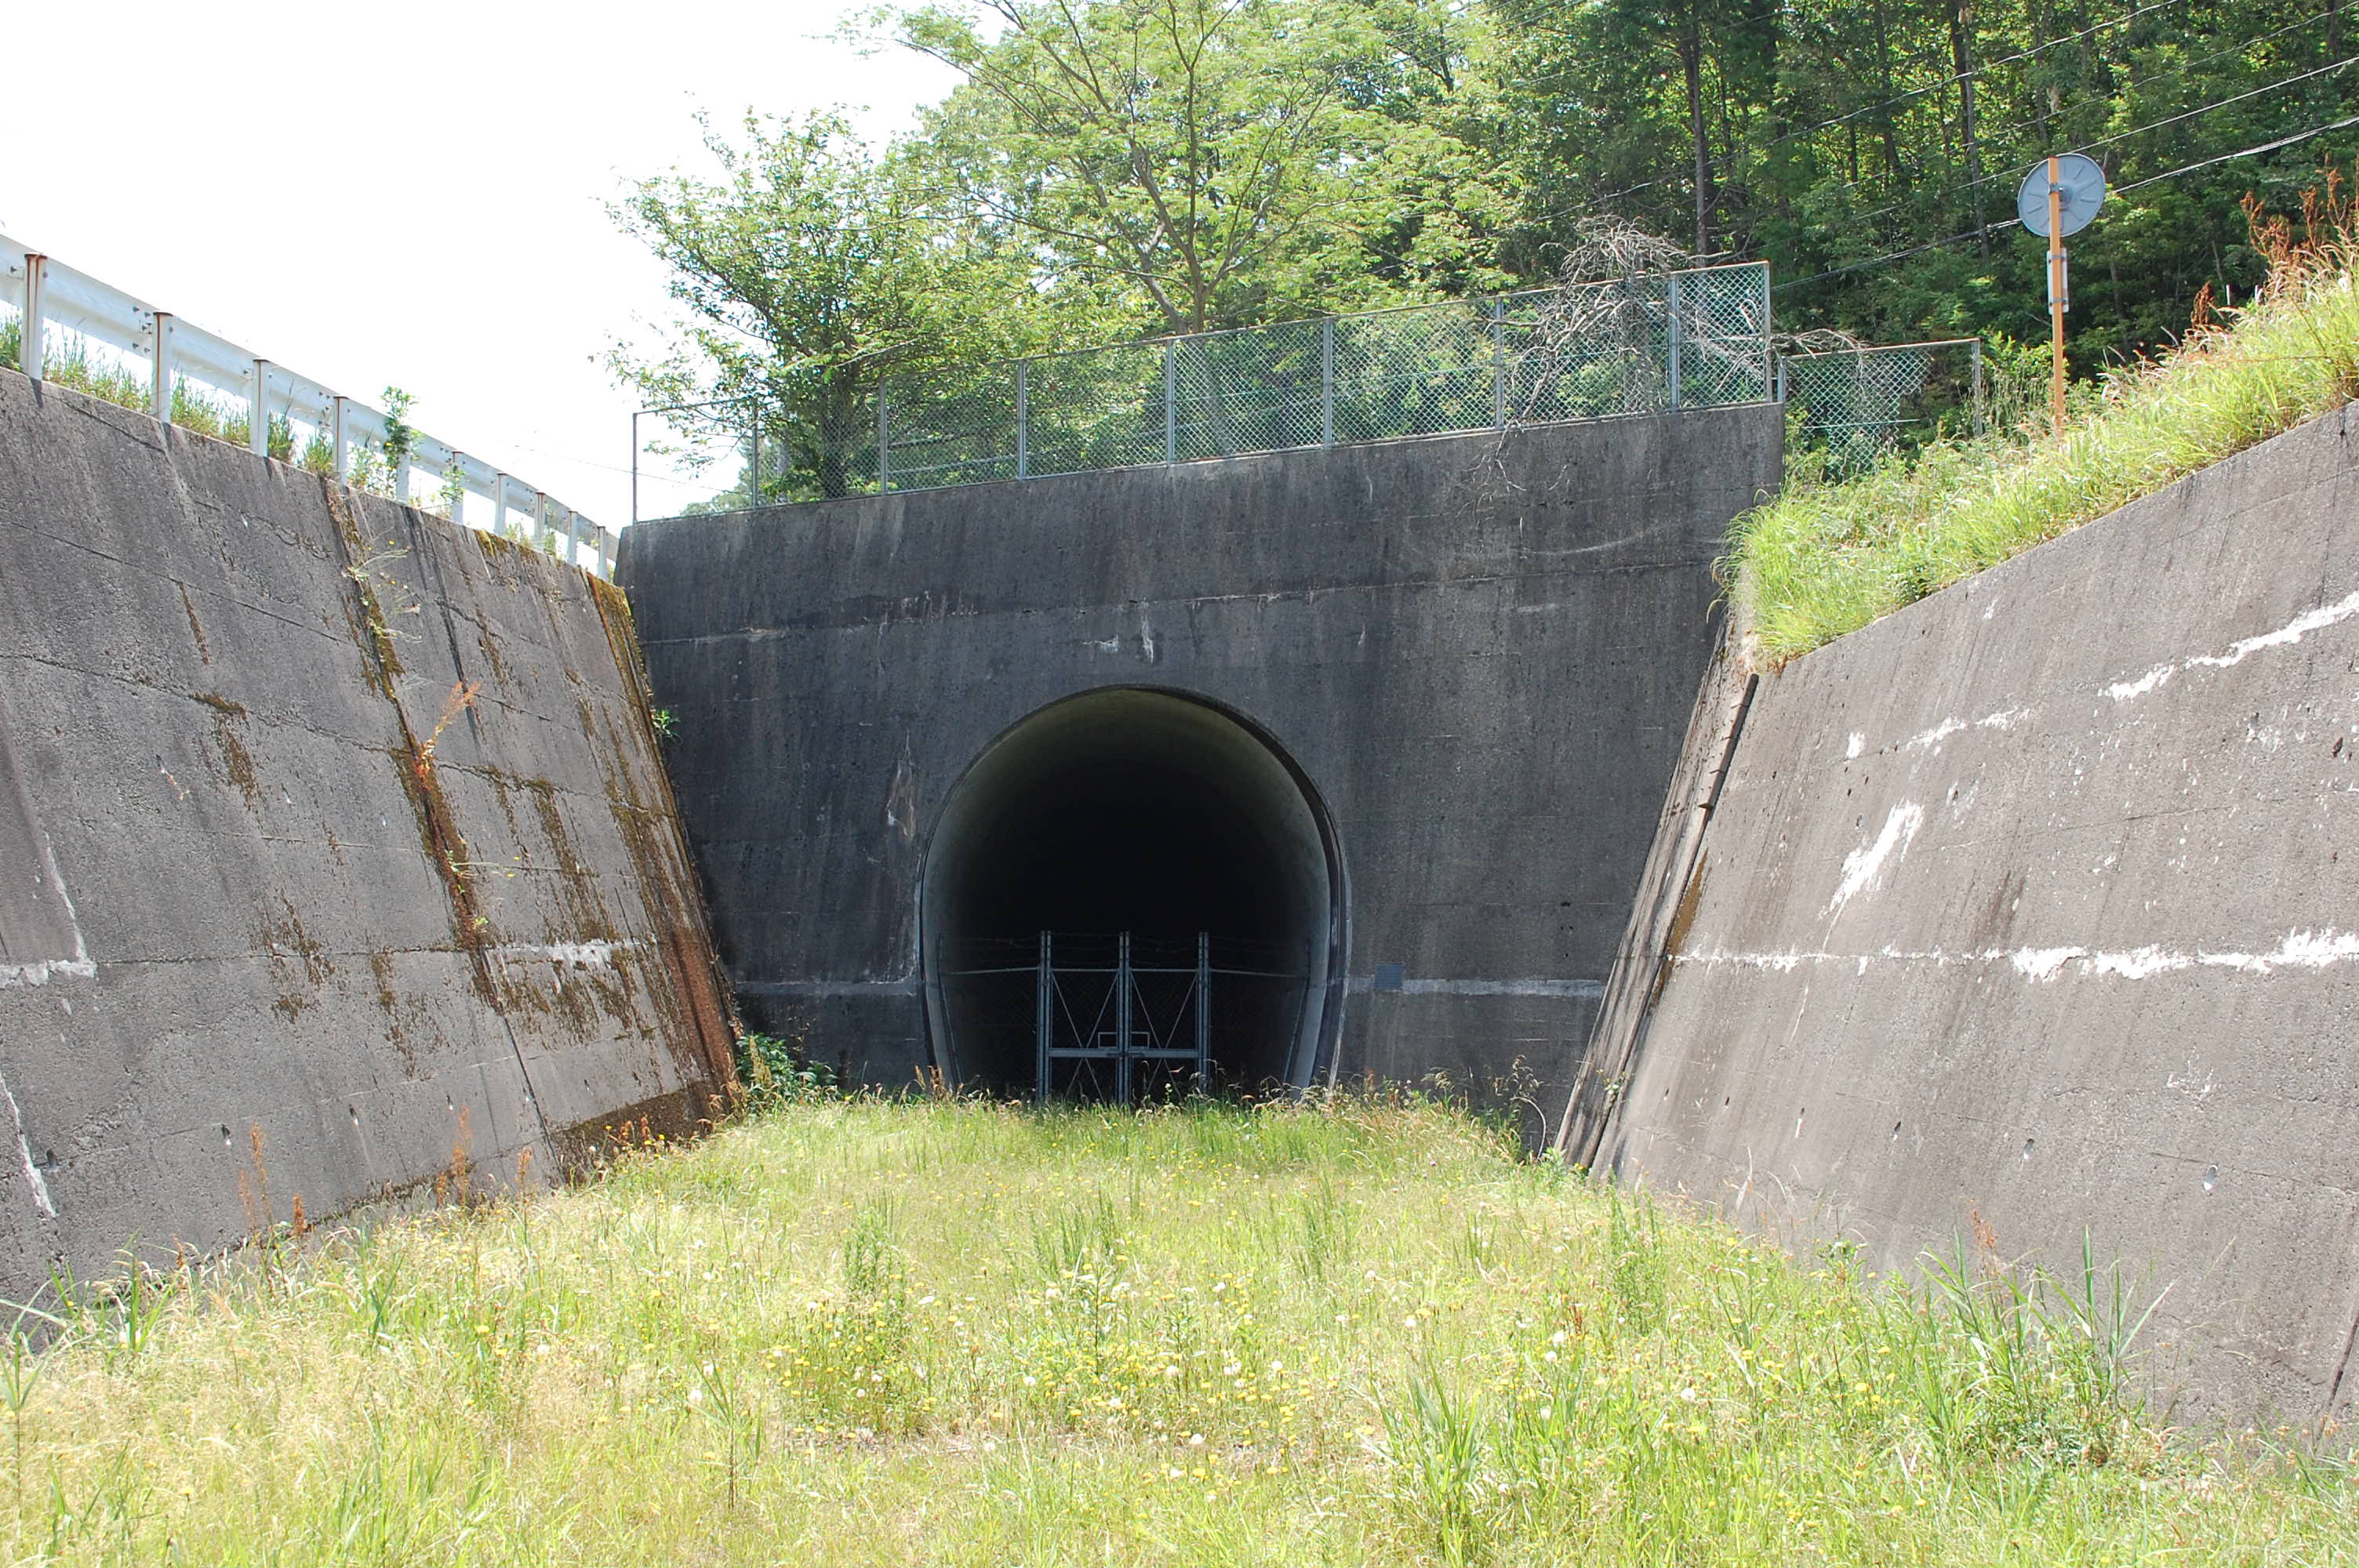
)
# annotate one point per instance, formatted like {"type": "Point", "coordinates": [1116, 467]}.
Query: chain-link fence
{"type": "Point", "coordinates": [1692, 339]}
{"type": "Point", "coordinates": [1856, 405]}
{"type": "Point", "coordinates": [1697, 338]}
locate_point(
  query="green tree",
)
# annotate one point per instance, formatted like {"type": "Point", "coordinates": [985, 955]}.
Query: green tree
{"type": "Point", "coordinates": [1214, 163]}
{"type": "Point", "coordinates": [811, 269]}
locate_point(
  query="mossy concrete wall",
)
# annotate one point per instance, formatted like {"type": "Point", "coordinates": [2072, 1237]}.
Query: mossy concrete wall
{"type": "Point", "coordinates": [336, 858]}
{"type": "Point", "coordinates": [2021, 913]}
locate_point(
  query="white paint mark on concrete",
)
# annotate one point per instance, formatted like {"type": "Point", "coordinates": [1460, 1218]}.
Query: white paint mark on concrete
{"type": "Point", "coordinates": [1145, 638]}
{"type": "Point", "coordinates": [1933, 737]}
{"type": "Point", "coordinates": [2299, 950]}
{"type": "Point", "coordinates": [2285, 636]}
{"type": "Point", "coordinates": [14, 975]}
{"type": "Point", "coordinates": [1863, 866]}
{"type": "Point", "coordinates": [37, 972]}
{"type": "Point", "coordinates": [1854, 746]}
{"type": "Point", "coordinates": [33, 1179]}
{"type": "Point", "coordinates": [1361, 985]}
{"type": "Point", "coordinates": [578, 955]}
{"type": "Point", "coordinates": [1111, 645]}
{"type": "Point", "coordinates": [2138, 964]}
{"type": "Point", "coordinates": [2005, 718]}
{"type": "Point", "coordinates": [2044, 963]}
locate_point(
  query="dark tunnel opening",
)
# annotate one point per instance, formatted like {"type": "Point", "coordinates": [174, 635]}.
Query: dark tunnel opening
{"type": "Point", "coordinates": [1140, 812]}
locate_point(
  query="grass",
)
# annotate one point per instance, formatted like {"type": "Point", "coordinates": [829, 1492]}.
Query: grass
{"type": "Point", "coordinates": [958, 1332]}
{"type": "Point", "coordinates": [71, 364]}
{"type": "Point", "coordinates": [1824, 560]}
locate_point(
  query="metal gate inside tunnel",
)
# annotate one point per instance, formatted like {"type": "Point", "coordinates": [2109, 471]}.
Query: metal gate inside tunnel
{"type": "Point", "coordinates": [1126, 1019]}
{"type": "Point", "coordinates": [1132, 894]}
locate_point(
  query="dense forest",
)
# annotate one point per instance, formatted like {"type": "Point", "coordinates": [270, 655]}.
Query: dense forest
{"type": "Point", "coordinates": [1117, 168]}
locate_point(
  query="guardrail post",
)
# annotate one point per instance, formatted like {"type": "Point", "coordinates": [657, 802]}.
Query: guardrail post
{"type": "Point", "coordinates": [608, 544]}
{"type": "Point", "coordinates": [1327, 381]}
{"type": "Point", "coordinates": [1170, 400]}
{"type": "Point", "coordinates": [336, 420]}
{"type": "Point", "coordinates": [160, 381]}
{"type": "Point", "coordinates": [499, 503]}
{"type": "Point", "coordinates": [883, 458]}
{"type": "Point", "coordinates": [539, 517]}
{"type": "Point", "coordinates": [1023, 419]}
{"type": "Point", "coordinates": [258, 433]}
{"type": "Point", "coordinates": [573, 537]}
{"type": "Point", "coordinates": [1671, 314]}
{"type": "Point", "coordinates": [29, 334]}
{"type": "Point", "coordinates": [401, 479]}
{"type": "Point", "coordinates": [1499, 362]}
{"type": "Point", "coordinates": [635, 464]}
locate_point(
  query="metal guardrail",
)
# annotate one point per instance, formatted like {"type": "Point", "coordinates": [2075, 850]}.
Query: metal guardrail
{"type": "Point", "coordinates": [1859, 404]}
{"type": "Point", "coordinates": [1691, 339]}
{"type": "Point", "coordinates": [49, 299]}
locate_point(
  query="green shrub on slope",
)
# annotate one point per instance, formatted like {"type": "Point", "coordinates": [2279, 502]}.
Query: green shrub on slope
{"type": "Point", "coordinates": [1822, 560]}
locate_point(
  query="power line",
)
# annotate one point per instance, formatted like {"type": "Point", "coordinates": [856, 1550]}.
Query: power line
{"type": "Point", "coordinates": [1952, 80]}
{"type": "Point", "coordinates": [2122, 20]}
{"type": "Point", "coordinates": [2269, 147]}
{"type": "Point", "coordinates": [1912, 198]}
{"type": "Point", "coordinates": [2243, 152]}
{"type": "Point", "coordinates": [2181, 70]}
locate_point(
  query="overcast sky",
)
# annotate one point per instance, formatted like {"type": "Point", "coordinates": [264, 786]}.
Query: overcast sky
{"type": "Point", "coordinates": [407, 195]}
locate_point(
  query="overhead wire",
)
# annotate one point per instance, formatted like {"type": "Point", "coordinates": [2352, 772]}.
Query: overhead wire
{"type": "Point", "coordinates": [1593, 203]}
{"type": "Point", "coordinates": [2267, 147]}
{"type": "Point", "coordinates": [1915, 197]}
{"type": "Point", "coordinates": [2135, 130]}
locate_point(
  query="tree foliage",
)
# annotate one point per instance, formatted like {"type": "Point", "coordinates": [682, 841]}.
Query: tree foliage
{"type": "Point", "coordinates": [1112, 168]}
{"type": "Point", "coordinates": [808, 272]}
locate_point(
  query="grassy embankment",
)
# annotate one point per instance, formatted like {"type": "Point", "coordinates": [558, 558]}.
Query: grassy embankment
{"type": "Point", "coordinates": [959, 1333]}
{"type": "Point", "coordinates": [1824, 560]}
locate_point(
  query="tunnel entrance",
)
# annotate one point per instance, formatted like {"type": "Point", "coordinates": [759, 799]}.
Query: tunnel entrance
{"type": "Point", "coordinates": [1161, 851]}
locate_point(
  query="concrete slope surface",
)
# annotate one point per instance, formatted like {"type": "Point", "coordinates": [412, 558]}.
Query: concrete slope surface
{"type": "Point", "coordinates": [2022, 912]}
{"type": "Point", "coordinates": [336, 861]}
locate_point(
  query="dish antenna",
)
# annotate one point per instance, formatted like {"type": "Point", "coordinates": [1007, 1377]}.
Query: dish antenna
{"type": "Point", "coordinates": [2058, 197]}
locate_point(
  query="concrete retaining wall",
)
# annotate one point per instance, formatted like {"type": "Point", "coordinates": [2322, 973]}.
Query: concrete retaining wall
{"type": "Point", "coordinates": [2023, 910]}
{"type": "Point", "coordinates": [1479, 651]}
{"type": "Point", "coordinates": [280, 915]}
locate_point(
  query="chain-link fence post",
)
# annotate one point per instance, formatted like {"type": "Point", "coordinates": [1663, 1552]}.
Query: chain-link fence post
{"type": "Point", "coordinates": [884, 453]}
{"type": "Point", "coordinates": [1975, 354]}
{"type": "Point", "coordinates": [1170, 400]}
{"type": "Point", "coordinates": [1671, 335]}
{"type": "Point", "coordinates": [1327, 382]}
{"type": "Point", "coordinates": [1023, 419]}
{"type": "Point", "coordinates": [754, 456]}
{"type": "Point", "coordinates": [1499, 362]}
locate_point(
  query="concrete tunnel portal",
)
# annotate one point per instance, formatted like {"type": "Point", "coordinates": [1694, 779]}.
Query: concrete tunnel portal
{"type": "Point", "coordinates": [1150, 814]}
